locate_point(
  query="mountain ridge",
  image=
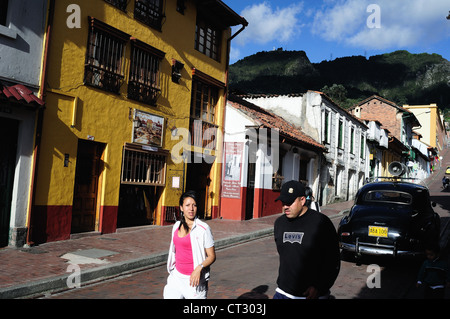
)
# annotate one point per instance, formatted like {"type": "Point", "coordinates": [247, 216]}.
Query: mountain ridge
{"type": "Point", "coordinates": [399, 76]}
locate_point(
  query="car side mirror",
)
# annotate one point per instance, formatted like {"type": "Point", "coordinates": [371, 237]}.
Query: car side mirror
{"type": "Point", "coordinates": [433, 204]}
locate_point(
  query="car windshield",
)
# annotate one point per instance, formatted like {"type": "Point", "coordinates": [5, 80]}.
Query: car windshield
{"type": "Point", "coordinates": [389, 197]}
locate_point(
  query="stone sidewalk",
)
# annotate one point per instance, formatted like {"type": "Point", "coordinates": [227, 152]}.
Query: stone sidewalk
{"type": "Point", "coordinates": [26, 272]}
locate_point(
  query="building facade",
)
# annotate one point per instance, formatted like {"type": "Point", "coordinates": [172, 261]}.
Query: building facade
{"type": "Point", "coordinates": [400, 124]}
{"type": "Point", "coordinates": [432, 130]}
{"type": "Point", "coordinates": [261, 152]}
{"type": "Point", "coordinates": [344, 165]}
{"type": "Point", "coordinates": [135, 98]}
{"type": "Point", "coordinates": [22, 38]}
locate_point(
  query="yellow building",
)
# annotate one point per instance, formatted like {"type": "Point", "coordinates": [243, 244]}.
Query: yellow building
{"type": "Point", "coordinates": [135, 98]}
{"type": "Point", "coordinates": [432, 124]}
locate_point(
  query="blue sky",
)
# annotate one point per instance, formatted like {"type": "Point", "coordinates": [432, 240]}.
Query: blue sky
{"type": "Point", "coordinates": [329, 29]}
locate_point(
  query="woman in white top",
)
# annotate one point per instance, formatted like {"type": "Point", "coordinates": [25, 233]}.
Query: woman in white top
{"type": "Point", "coordinates": [191, 253]}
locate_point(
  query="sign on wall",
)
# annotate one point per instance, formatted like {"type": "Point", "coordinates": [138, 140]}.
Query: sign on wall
{"type": "Point", "coordinates": [148, 128]}
{"type": "Point", "coordinates": [231, 181]}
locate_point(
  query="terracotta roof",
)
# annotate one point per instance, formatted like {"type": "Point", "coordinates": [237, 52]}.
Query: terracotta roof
{"type": "Point", "coordinates": [382, 99]}
{"type": "Point", "coordinates": [20, 93]}
{"type": "Point", "coordinates": [399, 108]}
{"type": "Point", "coordinates": [268, 119]}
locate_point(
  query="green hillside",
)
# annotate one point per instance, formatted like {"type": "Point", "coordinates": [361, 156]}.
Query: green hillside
{"type": "Point", "coordinates": [400, 76]}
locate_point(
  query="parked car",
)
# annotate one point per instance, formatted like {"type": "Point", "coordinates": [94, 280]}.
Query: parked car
{"type": "Point", "coordinates": [393, 218]}
{"type": "Point", "coordinates": [447, 171]}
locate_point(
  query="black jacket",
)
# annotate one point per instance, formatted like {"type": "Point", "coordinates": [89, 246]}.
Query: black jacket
{"type": "Point", "coordinates": [309, 253]}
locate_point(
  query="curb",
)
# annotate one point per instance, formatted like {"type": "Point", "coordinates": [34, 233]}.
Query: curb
{"type": "Point", "coordinates": [42, 287]}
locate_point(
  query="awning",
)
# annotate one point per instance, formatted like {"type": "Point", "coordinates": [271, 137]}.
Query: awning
{"type": "Point", "coordinates": [20, 94]}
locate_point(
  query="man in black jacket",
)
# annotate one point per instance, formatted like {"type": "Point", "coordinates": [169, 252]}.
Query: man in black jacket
{"type": "Point", "coordinates": [308, 246]}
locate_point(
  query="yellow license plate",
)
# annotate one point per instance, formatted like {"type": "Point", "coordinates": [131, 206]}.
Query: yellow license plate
{"type": "Point", "coordinates": [377, 231]}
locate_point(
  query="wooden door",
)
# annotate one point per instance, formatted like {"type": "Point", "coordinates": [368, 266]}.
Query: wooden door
{"type": "Point", "coordinates": [84, 209]}
{"type": "Point", "coordinates": [198, 179]}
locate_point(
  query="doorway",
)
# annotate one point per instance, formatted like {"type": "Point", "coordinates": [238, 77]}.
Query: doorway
{"type": "Point", "coordinates": [250, 193]}
{"type": "Point", "coordinates": [198, 179]}
{"type": "Point", "coordinates": [138, 205]}
{"type": "Point", "coordinates": [88, 169]}
{"type": "Point", "coordinates": [8, 145]}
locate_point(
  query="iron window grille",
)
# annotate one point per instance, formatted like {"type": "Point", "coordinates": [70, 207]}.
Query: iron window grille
{"type": "Point", "coordinates": [104, 66]}
{"type": "Point", "coordinates": [144, 79]}
{"type": "Point", "coordinates": [149, 12]}
{"type": "Point", "coordinates": [120, 4]}
{"type": "Point", "coordinates": [141, 167]}
{"type": "Point", "coordinates": [172, 214]}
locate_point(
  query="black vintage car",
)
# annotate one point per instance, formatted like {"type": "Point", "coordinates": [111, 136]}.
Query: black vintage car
{"type": "Point", "coordinates": [393, 218]}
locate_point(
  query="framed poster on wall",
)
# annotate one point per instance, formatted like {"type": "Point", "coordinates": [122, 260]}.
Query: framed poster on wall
{"type": "Point", "coordinates": [148, 128]}
{"type": "Point", "coordinates": [231, 181]}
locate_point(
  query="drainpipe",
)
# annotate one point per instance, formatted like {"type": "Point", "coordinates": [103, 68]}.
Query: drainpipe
{"type": "Point", "coordinates": [225, 94]}
{"type": "Point", "coordinates": [39, 120]}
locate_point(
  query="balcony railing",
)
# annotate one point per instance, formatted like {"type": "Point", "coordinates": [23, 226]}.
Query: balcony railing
{"type": "Point", "coordinates": [143, 93]}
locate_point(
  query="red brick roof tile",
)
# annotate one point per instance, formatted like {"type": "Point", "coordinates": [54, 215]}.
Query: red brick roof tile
{"type": "Point", "coordinates": [270, 120]}
{"type": "Point", "coordinates": [20, 93]}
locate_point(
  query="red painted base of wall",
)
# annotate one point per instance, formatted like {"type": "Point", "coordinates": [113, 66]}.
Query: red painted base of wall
{"type": "Point", "coordinates": [263, 204]}
{"type": "Point", "coordinates": [50, 223]}
{"type": "Point", "coordinates": [108, 219]}
{"type": "Point", "coordinates": [53, 223]}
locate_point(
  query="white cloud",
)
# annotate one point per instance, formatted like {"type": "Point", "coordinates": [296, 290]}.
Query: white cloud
{"type": "Point", "coordinates": [402, 23]}
{"type": "Point", "coordinates": [339, 21]}
{"type": "Point", "coordinates": [235, 54]}
{"type": "Point", "coordinates": [267, 24]}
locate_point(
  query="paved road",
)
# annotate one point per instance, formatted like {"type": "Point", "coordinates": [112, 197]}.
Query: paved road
{"type": "Point", "coordinates": [250, 269]}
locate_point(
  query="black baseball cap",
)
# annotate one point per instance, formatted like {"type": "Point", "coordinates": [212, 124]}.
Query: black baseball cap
{"type": "Point", "coordinates": [290, 191]}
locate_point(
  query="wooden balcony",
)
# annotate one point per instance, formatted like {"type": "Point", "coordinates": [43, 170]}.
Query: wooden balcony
{"type": "Point", "coordinates": [203, 134]}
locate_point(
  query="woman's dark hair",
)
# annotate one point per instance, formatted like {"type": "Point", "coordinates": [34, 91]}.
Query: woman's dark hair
{"type": "Point", "coordinates": [183, 196]}
{"type": "Point", "coordinates": [308, 195]}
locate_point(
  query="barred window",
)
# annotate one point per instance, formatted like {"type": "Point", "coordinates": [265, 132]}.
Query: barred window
{"type": "Point", "coordinates": [140, 167]}
{"type": "Point", "coordinates": [105, 56]}
{"type": "Point", "coordinates": [121, 4]}
{"type": "Point", "coordinates": [207, 39]}
{"type": "Point", "coordinates": [149, 12]}
{"type": "Point", "coordinates": [144, 80]}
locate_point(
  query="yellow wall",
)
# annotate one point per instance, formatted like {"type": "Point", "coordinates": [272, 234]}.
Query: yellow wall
{"type": "Point", "coordinates": [432, 129]}
{"type": "Point", "coordinates": [105, 116]}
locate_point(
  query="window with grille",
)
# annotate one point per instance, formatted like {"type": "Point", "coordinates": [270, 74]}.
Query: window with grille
{"type": "Point", "coordinates": [207, 39]}
{"type": "Point", "coordinates": [144, 80]}
{"type": "Point", "coordinates": [105, 56]}
{"type": "Point", "coordinates": [140, 167]}
{"type": "Point", "coordinates": [149, 12]}
{"type": "Point", "coordinates": [121, 4]}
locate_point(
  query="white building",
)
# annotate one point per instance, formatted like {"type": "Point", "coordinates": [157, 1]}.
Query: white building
{"type": "Point", "coordinates": [262, 150]}
{"type": "Point", "coordinates": [345, 163]}
{"type": "Point", "coordinates": [22, 28]}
